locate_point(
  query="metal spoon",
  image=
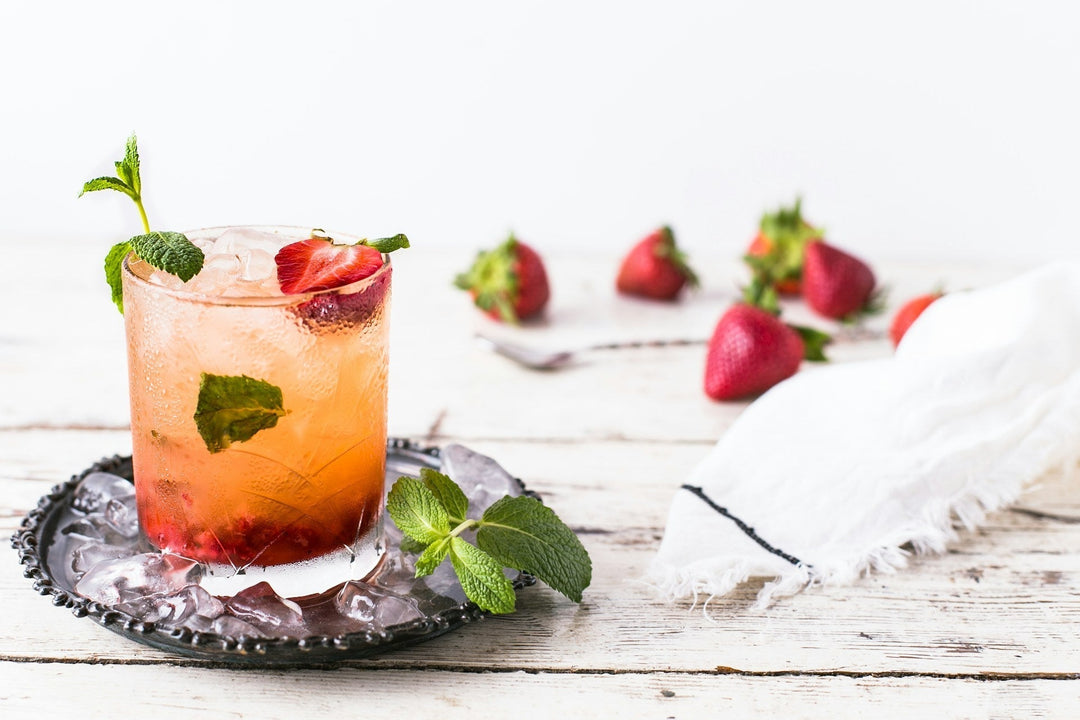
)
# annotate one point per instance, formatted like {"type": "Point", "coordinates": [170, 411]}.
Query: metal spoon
{"type": "Point", "coordinates": [537, 359]}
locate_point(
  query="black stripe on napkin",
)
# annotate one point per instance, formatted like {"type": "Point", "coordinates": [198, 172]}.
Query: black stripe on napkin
{"type": "Point", "coordinates": [742, 526]}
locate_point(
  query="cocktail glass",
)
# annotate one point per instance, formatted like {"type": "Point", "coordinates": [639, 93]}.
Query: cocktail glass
{"type": "Point", "coordinates": [306, 490]}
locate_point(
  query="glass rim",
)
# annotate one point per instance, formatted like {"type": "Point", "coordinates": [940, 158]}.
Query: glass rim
{"type": "Point", "coordinates": [302, 232]}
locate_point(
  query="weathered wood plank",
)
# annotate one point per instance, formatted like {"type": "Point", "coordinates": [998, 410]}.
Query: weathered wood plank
{"type": "Point", "coordinates": [1004, 600]}
{"type": "Point", "coordinates": [438, 374]}
{"type": "Point", "coordinates": [180, 692]}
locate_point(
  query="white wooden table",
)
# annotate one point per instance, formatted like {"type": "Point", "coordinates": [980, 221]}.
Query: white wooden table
{"type": "Point", "coordinates": [989, 629]}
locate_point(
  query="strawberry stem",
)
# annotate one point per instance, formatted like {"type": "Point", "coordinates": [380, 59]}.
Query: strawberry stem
{"type": "Point", "coordinates": [814, 342]}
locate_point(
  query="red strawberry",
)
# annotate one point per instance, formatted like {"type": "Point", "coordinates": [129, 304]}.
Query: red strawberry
{"type": "Point", "coordinates": [655, 268]}
{"type": "Point", "coordinates": [776, 254]}
{"type": "Point", "coordinates": [318, 264]}
{"type": "Point", "coordinates": [330, 310]}
{"type": "Point", "coordinates": [509, 283]}
{"type": "Point", "coordinates": [836, 284]}
{"type": "Point", "coordinates": [751, 350]}
{"type": "Point", "coordinates": [908, 313]}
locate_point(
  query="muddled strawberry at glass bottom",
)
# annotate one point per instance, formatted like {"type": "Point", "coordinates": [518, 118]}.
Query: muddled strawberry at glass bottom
{"type": "Point", "coordinates": [258, 418]}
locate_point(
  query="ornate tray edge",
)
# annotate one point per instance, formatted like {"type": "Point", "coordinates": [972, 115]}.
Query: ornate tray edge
{"type": "Point", "coordinates": [212, 646]}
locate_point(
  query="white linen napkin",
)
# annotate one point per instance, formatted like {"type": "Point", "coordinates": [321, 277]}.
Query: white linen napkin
{"type": "Point", "coordinates": [839, 468]}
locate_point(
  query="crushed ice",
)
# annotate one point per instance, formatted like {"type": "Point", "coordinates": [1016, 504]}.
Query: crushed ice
{"type": "Point", "coordinates": [105, 560]}
{"type": "Point", "coordinates": [237, 263]}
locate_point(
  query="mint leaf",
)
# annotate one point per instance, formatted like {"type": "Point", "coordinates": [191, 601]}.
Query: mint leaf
{"type": "Point", "coordinates": [481, 577]}
{"type": "Point", "coordinates": [128, 168]}
{"type": "Point", "coordinates": [388, 245]}
{"type": "Point", "coordinates": [408, 545]}
{"type": "Point", "coordinates": [169, 251]}
{"type": "Point", "coordinates": [416, 511]}
{"type": "Point", "coordinates": [449, 495]}
{"type": "Point", "coordinates": [232, 408]}
{"type": "Point", "coordinates": [108, 183]}
{"type": "Point", "coordinates": [114, 267]}
{"type": "Point", "coordinates": [522, 533]}
{"type": "Point", "coordinates": [432, 557]}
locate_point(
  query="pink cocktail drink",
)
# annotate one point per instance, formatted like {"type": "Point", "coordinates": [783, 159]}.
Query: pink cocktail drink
{"type": "Point", "coordinates": [258, 418]}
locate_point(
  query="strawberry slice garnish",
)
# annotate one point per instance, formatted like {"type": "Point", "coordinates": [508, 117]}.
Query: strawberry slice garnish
{"type": "Point", "coordinates": [320, 264]}
{"type": "Point", "coordinates": [330, 310]}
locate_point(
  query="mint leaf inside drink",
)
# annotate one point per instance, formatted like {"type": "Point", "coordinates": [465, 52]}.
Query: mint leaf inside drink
{"type": "Point", "coordinates": [169, 251]}
{"type": "Point", "coordinates": [481, 577]}
{"type": "Point", "coordinates": [233, 408]}
{"type": "Point", "coordinates": [523, 533]}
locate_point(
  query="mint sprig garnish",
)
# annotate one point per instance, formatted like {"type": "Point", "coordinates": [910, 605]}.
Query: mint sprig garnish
{"type": "Point", "coordinates": [515, 532]}
{"type": "Point", "coordinates": [481, 577]}
{"type": "Point", "coordinates": [168, 251]}
{"type": "Point", "coordinates": [523, 533]}
{"type": "Point", "coordinates": [232, 408]}
{"type": "Point", "coordinates": [417, 512]}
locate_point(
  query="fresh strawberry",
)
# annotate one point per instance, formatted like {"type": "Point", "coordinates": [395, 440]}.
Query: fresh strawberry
{"type": "Point", "coordinates": [331, 310]}
{"type": "Point", "coordinates": [655, 268]}
{"type": "Point", "coordinates": [775, 256]}
{"type": "Point", "coordinates": [319, 264]}
{"type": "Point", "coordinates": [908, 313]}
{"type": "Point", "coordinates": [836, 284]}
{"type": "Point", "coordinates": [751, 350]}
{"type": "Point", "coordinates": [509, 283]}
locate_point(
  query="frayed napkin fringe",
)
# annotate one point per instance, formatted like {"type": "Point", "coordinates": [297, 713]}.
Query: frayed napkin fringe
{"type": "Point", "coordinates": [705, 582]}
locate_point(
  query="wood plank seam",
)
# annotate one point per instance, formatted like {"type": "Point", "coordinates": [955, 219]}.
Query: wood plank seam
{"type": "Point", "coordinates": [506, 669]}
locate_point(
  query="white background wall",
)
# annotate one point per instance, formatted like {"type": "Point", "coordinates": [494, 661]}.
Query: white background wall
{"type": "Point", "coordinates": [914, 130]}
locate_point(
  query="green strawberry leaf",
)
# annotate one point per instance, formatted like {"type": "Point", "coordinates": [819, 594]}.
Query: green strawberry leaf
{"type": "Point", "coordinates": [493, 280]}
{"type": "Point", "coordinates": [787, 234]}
{"type": "Point", "coordinates": [522, 533]}
{"type": "Point", "coordinates": [388, 245]}
{"type": "Point", "coordinates": [761, 293]}
{"type": "Point", "coordinates": [114, 267]}
{"type": "Point", "coordinates": [232, 408]}
{"type": "Point", "coordinates": [669, 250]}
{"type": "Point", "coordinates": [169, 251]}
{"type": "Point", "coordinates": [432, 556]}
{"type": "Point", "coordinates": [481, 577]}
{"type": "Point", "coordinates": [447, 492]}
{"type": "Point", "coordinates": [814, 342]}
{"type": "Point", "coordinates": [416, 511]}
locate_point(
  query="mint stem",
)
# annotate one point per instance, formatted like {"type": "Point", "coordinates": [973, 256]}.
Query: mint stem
{"type": "Point", "coordinates": [142, 215]}
{"type": "Point", "coordinates": [463, 527]}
